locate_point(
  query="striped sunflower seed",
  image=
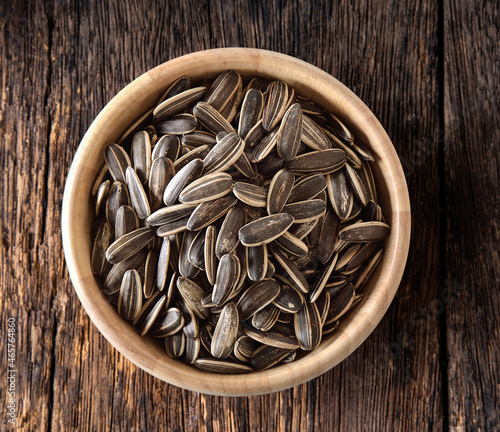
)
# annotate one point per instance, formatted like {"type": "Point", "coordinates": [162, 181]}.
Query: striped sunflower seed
{"type": "Point", "coordinates": [296, 278]}
{"type": "Point", "coordinates": [276, 337]}
{"type": "Point", "coordinates": [192, 294]}
{"type": "Point", "coordinates": [362, 232]}
{"type": "Point", "coordinates": [250, 194]}
{"type": "Point", "coordinates": [198, 139]}
{"type": "Point", "coordinates": [113, 280]}
{"type": "Point", "coordinates": [209, 253]}
{"type": "Point", "coordinates": [181, 179]}
{"type": "Point", "coordinates": [117, 161]}
{"type": "Point", "coordinates": [130, 298]}
{"type": "Point", "coordinates": [223, 89]}
{"type": "Point", "coordinates": [256, 262]}
{"type": "Point", "coordinates": [313, 136]}
{"type": "Point", "coordinates": [191, 155]}
{"type": "Point", "coordinates": [207, 188]}
{"type": "Point", "coordinates": [175, 345]}
{"type": "Point", "coordinates": [170, 214]}
{"type": "Point", "coordinates": [228, 274]}
{"type": "Point", "coordinates": [357, 185]}
{"type": "Point", "coordinates": [208, 212]}
{"type": "Point", "coordinates": [289, 133]}
{"type": "Point", "coordinates": [168, 323]}
{"type": "Point", "coordinates": [102, 196]}
{"type": "Point", "coordinates": [104, 238]}
{"type": "Point", "coordinates": [305, 211]}
{"type": "Point", "coordinates": [168, 146]}
{"type": "Point", "coordinates": [141, 155]}
{"type": "Point", "coordinates": [307, 324]}
{"type": "Point", "coordinates": [118, 196]}
{"type": "Point", "coordinates": [244, 348]}
{"type": "Point", "coordinates": [138, 196]}
{"type": "Point", "coordinates": [265, 230]}
{"type": "Point", "coordinates": [179, 124]}
{"type": "Point", "coordinates": [277, 102]}
{"type": "Point", "coordinates": [129, 244]}
{"type": "Point", "coordinates": [224, 154]}
{"type": "Point", "coordinates": [322, 161]}
{"type": "Point", "coordinates": [279, 191]}
{"type": "Point", "coordinates": [257, 297]}
{"type": "Point", "coordinates": [177, 103]}
{"type": "Point", "coordinates": [266, 318]}
{"type": "Point", "coordinates": [265, 357]}
{"type": "Point", "coordinates": [251, 110]}
{"type": "Point", "coordinates": [226, 332]}
{"type": "Point", "coordinates": [126, 221]}
{"type": "Point", "coordinates": [340, 194]}
{"type": "Point", "coordinates": [227, 240]}
{"type": "Point", "coordinates": [328, 236]}
{"type": "Point", "coordinates": [221, 366]}
{"type": "Point", "coordinates": [211, 118]}
{"type": "Point", "coordinates": [307, 187]}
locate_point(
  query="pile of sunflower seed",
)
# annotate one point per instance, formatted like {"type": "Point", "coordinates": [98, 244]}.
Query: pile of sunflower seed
{"type": "Point", "coordinates": [240, 226]}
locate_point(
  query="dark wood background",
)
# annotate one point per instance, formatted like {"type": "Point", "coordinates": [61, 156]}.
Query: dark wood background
{"type": "Point", "coordinates": [428, 69]}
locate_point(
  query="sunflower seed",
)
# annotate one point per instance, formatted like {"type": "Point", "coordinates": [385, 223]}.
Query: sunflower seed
{"type": "Point", "coordinates": [101, 196]}
{"type": "Point", "coordinates": [192, 350]}
{"type": "Point", "coordinates": [307, 187]}
{"type": "Point", "coordinates": [130, 298]}
{"type": "Point", "coordinates": [265, 357]}
{"type": "Point", "coordinates": [289, 300]}
{"type": "Point", "coordinates": [279, 191]}
{"type": "Point", "coordinates": [265, 146]}
{"type": "Point", "coordinates": [251, 110]}
{"type": "Point", "coordinates": [150, 273]}
{"type": "Point", "coordinates": [182, 178]}
{"type": "Point", "coordinates": [141, 155]}
{"type": "Point", "coordinates": [328, 236]}
{"type": "Point", "coordinates": [211, 118]}
{"type": "Point", "coordinates": [296, 278]}
{"type": "Point", "coordinates": [322, 279]}
{"type": "Point", "coordinates": [167, 146]}
{"type": "Point", "coordinates": [250, 194]}
{"type": "Point", "coordinates": [192, 294]}
{"type": "Point", "coordinates": [198, 139]}
{"type": "Point", "coordinates": [258, 83]}
{"type": "Point", "coordinates": [228, 274]}
{"type": "Point", "coordinates": [305, 211]}
{"type": "Point", "coordinates": [303, 229]}
{"type": "Point", "coordinates": [196, 251]}
{"type": "Point", "coordinates": [178, 103]}
{"type": "Point", "coordinates": [351, 155]}
{"type": "Point", "coordinates": [313, 136]}
{"type": "Point", "coordinates": [291, 244]}
{"type": "Point", "coordinates": [323, 304]}
{"type": "Point", "coordinates": [224, 154]}
{"type": "Point", "coordinates": [163, 261]}
{"type": "Point", "coordinates": [179, 124]}
{"type": "Point", "coordinates": [209, 254]}
{"type": "Point", "coordinates": [126, 221]}
{"type": "Point", "coordinates": [277, 102]}
{"type": "Point", "coordinates": [175, 344]}
{"type": "Point", "coordinates": [207, 188]}
{"type": "Point", "coordinates": [226, 332]}
{"type": "Point", "coordinates": [307, 324]}
{"type": "Point", "coordinates": [223, 89]}
{"type": "Point", "coordinates": [357, 185]}
{"type": "Point", "coordinates": [322, 161]}
{"type": "Point", "coordinates": [113, 279]}
{"type": "Point", "coordinates": [221, 366]}
{"type": "Point", "coordinates": [103, 240]}
{"type": "Point", "coordinates": [168, 323]}
{"type": "Point", "coordinates": [170, 214]}
{"type": "Point", "coordinates": [187, 269]}
{"type": "Point", "coordinates": [340, 194]}
{"type": "Point", "coordinates": [162, 171]}
{"type": "Point", "coordinates": [266, 318]}
{"type": "Point", "coordinates": [244, 348]}
{"type": "Point", "coordinates": [275, 337]}
{"type": "Point", "coordinates": [151, 316]}
{"type": "Point", "coordinates": [265, 230]}
{"type": "Point", "coordinates": [178, 86]}
{"type": "Point", "coordinates": [129, 244]}
{"type": "Point", "coordinates": [257, 297]}
{"type": "Point", "coordinates": [208, 212]}
{"type": "Point", "coordinates": [362, 232]}
{"type": "Point", "coordinates": [117, 161]}
{"type": "Point", "coordinates": [365, 253]}
{"type": "Point", "coordinates": [138, 196]}
{"type": "Point", "coordinates": [118, 196]}
{"type": "Point", "coordinates": [289, 133]}
{"type": "Point", "coordinates": [256, 262]}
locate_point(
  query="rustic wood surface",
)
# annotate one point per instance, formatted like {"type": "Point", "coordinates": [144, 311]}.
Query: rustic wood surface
{"type": "Point", "coordinates": [429, 71]}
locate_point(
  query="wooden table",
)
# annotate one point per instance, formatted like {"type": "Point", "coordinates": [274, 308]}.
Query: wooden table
{"type": "Point", "coordinates": [429, 70]}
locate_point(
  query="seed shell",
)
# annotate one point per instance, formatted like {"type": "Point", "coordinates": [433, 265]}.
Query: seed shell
{"type": "Point", "coordinates": [117, 161]}
{"type": "Point", "coordinates": [279, 191]}
{"type": "Point", "coordinates": [207, 188]}
{"type": "Point", "coordinates": [208, 212]}
{"type": "Point", "coordinates": [226, 332]}
{"type": "Point", "coordinates": [129, 244]}
{"type": "Point", "coordinates": [265, 357]}
{"type": "Point", "coordinates": [265, 230]}
{"type": "Point", "coordinates": [138, 196]}
{"type": "Point", "coordinates": [322, 161]}
{"type": "Point", "coordinates": [224, 154]}
{"type": "Point", "coordinates": [182, 178]}
{"type": "Point", "coordinates": [130, 298]}
{"type": "Point", "coordinates": [307, 324]}
{"type": "Point", "coordinates": [192, 294]}
{"type": "Point", "coordinates": [221, 366]}
{"type": "Point", "coordinates": [257, 297]}
{"type": "Point", "coordinates": [178, 103]}
{"type": "Point", "coordinates": [362, 232]}
{"type": "Point", "coordinates": [305, 211]}
{"type": "Point", "coordinates": [289, 133]}
{"type": "Point", "coordinates": [277, 102]}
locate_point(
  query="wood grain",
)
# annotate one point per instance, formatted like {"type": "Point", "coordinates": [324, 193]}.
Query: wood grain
{"type": "Point", "coordinates": [472, 194]}
{"type": "Point", "coordinates": [61, 62]}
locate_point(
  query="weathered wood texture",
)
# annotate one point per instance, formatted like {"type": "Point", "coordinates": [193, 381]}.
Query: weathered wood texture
{"type": "Point", "coordinates": [429, 72]}
{"type": "Point", "coordinates": [472, 203]}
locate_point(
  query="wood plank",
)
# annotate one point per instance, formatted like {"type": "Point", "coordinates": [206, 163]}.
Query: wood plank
{"type": "Point", "coordinates": [472, 89]}
{"type": "Point", "coordinates": [31, 260]}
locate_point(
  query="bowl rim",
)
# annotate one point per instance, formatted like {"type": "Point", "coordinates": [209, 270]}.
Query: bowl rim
{"type": "Point", "coordinates": [348, 336]}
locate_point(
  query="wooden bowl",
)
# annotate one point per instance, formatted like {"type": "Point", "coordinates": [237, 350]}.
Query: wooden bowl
{"type": "Point", "coordinates": [140, 96]}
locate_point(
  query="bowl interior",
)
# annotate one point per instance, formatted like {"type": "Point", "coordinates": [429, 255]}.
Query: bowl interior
{"type": "Point", "coordinates": [142, 95]}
